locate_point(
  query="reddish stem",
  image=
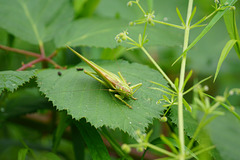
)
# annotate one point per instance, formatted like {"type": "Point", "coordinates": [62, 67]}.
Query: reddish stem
{"type": "Point", "coordinates": [42, 51]}
{"type": "Point", "coordinates": [54, 63]}
{"type": "Point", "coordinates": [20, 51]}
{"type": "Point", "coordinates": [53, 55]}
{"type": "Point", "coordinates": [40, 58]}
{"type": "Point", "coordinates": [30, 64]}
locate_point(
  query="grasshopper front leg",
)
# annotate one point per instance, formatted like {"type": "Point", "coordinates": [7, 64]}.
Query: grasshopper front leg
{"type": "Point", "coordinates": [120, 98]}
{"type": "Point", "coordinates": [92, 74]}
{"type": "Point", "coordinates": [136, 87]}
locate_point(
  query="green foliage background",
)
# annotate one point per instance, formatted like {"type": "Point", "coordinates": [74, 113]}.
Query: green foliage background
{"type": "Point", "coordinates": [91, 27]}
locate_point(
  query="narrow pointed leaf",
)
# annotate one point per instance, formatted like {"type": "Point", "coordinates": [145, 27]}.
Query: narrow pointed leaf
{"type": "Point", "coordinates": [62, 125]}
{"type": "Point", "coordinates": [197, 85]}
{"type": "Point", "coordinates": [187, 105]}
{"type": "Point", "coordinates": [214, 20]}
{"type": "Point", "coordinates": [163, 86]}
{"type": "Point", "coordinates": [78, 142]}
{"type": "Point", "coordinates": [186, 79]}
{"type": "Point", "coordinates": [22, 153]}
{"type": "Point", "coordinates": [230, 22]}
{"type": "Point", "coordinates": [176, 83]}
{"type": "Point", "coordinates": [180, 16]}
{"type": "Point", "coordinates": [192, 15]}
{"type": "Point", "coordinates": [93, 140]}
{"type": "Point", "coordinates": [224, 54]}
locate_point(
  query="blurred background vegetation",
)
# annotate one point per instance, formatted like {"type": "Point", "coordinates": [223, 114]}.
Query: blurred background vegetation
{"type": "Point", "coordinates": [202, 59]}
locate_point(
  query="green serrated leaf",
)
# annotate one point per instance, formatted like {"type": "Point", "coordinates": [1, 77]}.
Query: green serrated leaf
{"type": "Point", "coordinates": [83, 96]}
{"type": "Point", "coordinates": [100, 32]}
{"type": "Point", "coordinates": [190, 124]}
{"type": "Point", "coordinates": [224, 54]}
{"type": "Point", "coordinates": [11, 80]}
{"type": "Point", "coordinates": [34, 21]}
{"type": "Point", "coordinates": [93, 140]}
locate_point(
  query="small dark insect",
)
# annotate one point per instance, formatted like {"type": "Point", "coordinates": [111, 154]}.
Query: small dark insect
{"type": "Point", "coordinates": [79, 69]}
{"type": "Point", "coordinates": [59, 73]}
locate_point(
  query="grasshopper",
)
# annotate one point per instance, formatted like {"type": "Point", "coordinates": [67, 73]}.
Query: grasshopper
{"type": "Point", "coordinates": [115, 84]}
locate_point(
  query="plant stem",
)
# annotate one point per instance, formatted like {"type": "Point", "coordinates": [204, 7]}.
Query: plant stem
{"type": "Point", "coordinates": [30, 64]}
{"type": "Point", "coordinates": [157, 66]}
{"type": "Point", "coordinates": [156, 148]}
{"type": "Point", "coordinates": [169, 24]}
{"type": "Point", "coordinates": [181, 82]}
{"type": "Point", "coordinates": [42, 51]}
{"type": "Point", "coordinates": [27, 53]}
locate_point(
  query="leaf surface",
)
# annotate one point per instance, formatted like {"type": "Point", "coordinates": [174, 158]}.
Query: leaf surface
{"type": "Point", "coordinates": [93, 140]}
{"type": "Point", "coordinates": [34, 21]}
{"type": "Point", "coordinates": [83, 96]}
{"type": "Point", "coordinates": [224, 132]}
{"type": "Point", "coordinates": [100, 32]}
{"type": "Point", "coordinates": [11, 80]}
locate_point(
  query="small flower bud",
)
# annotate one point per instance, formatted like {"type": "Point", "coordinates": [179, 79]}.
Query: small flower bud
{"type": "Point", "coordinates": [206, 88]}
{"type": "Point", "coordinates": [232, 108]}
{"type": "Point", "coordinates": [129, 4]}
{"type": "Point", "coordinates": [163, 119]}
{"type": "Point", "coordinates": [126, 148]}
{"type": "Point", "coordinates": [231, 92]}
{"type": "Point", "coordinates": [124, 38]}
{"type": "Point", "coordinates": [138, 132]}
{"type": "Point", "coordinates": [140, 149]}
{"type": "Point", "coordinates": [119, 41]}
{"type": "Point", "coordinates": [121, 34]}
{"type": "Point", "coordinates": [131, 23]}
{"type": "Point", "coordinates": [165, 19]}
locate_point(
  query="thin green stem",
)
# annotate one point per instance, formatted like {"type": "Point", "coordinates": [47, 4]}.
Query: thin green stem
{"type": "Point", "coordinates": [140, 7]}
{"type": "Point", "coordinates": [181, 82]}
{"type": "Point", "coordinates": [169, 24]}
{"type": "Point", "coordinates": [225, 106]}
{"type": "Point", "coordinates": [201, 151]}
{"type": "Point", "coordinates": [113, 142]}
{"type": "Point", "coordinates": [160, 150]}
{"type": "Point", "coordinates": [157, 66]}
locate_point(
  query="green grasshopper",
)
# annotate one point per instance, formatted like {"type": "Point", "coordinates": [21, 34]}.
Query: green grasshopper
{"type": "Point", "coordinates": [115, 84]}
